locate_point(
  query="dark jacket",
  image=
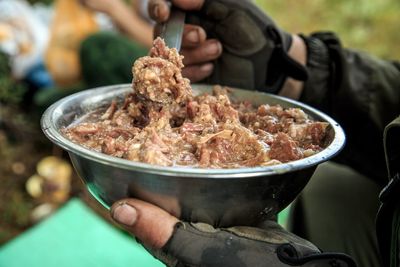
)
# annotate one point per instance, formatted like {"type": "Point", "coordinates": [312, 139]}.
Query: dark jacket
{"type": "Point", "coordinates": [363, 94]}
{"type": "Point", "coordinates": [388, 219]}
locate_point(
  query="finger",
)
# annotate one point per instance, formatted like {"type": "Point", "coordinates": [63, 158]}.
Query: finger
{"type": "Point", "coordinates": [150, 224]}
{"type": "Point", "coordinates": [207, 51]}
{"type": "Point", "coordinates": [158, 10]}
{"type": "Point", "coordinates": [196, 73]}
{"type": "Point", "coordinates": [193, 35]}
{"type": "Point", "coordinates": [188, 4]}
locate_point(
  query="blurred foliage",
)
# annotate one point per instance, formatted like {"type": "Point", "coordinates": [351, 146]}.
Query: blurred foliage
{"type": "Point", "coordinates": [10, 91]}
{"type": "Point", "coordinates": [361, 24]}
{"type": "Point", "coordinates": [20, 144]}
{"type": "Point", "coordinates": [17, 141]}
{"type": "Point", "coordinates": [46, 2]}
{"type": "Point", "coordinates": [367, 25]}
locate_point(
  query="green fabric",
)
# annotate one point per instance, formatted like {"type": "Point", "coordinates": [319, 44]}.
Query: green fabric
{"type": "Point", "coordinates": [74, 237]}
{"type": "Point", "coordinates": [107, 59]}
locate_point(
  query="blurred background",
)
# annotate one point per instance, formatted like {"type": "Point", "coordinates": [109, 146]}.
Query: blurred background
{"type": "Point", "coordinates": [371, 26]}
{"type": "Point", "coordinates": [47, 49]}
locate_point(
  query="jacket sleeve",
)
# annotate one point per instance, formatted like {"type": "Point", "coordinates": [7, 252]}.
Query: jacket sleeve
{"type": "Point", "coordinates": [361, 92]}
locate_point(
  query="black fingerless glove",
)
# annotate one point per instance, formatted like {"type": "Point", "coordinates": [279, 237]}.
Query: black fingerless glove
{"type": "Point", "coordinates": [324, 68]}
{"type": "Point", "coordinates": [270, 245]}
{"type": "Point", "coordinates": [254, 48]}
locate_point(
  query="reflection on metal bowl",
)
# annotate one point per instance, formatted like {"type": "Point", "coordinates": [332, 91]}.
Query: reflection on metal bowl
{"type": "Point", "coordinates": [221, 197]}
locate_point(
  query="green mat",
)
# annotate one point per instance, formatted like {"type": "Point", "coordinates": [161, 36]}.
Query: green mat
{"type": "Point", "coordinates": [75, 236]}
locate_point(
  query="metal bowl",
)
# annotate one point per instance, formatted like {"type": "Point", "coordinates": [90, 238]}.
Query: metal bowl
{"type": "Point", "coordinates": [220, 197]}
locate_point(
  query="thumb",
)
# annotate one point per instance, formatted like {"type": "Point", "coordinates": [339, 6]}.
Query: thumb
{"type": "Point", "coordinates": [189, 4]}
{"type": "Point", "coordinates": [150, 224]}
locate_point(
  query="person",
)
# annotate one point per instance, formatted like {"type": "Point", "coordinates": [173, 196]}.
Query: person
{"type": "Point", "coordinates": [233, 43]}
{"type": "Point", "coordinates": [106, 57]}
{"type": "Point", "coordinates": [129, 20]}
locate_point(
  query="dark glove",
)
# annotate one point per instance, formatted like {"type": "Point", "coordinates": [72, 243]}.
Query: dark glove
{"type": "Point", "coordinates": [254, 48]}
{"type": "Point", "coordinates": [199, 244]}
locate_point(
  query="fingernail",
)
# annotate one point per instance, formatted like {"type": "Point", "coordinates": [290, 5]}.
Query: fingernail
{"type": "Point", "coordinates": [156, 11]}
{"type": "Point", "coordinates": [206, 67]}
{"type": "Point", "coordinates": [213, 48]}
{"type": "Point", "coordinates": [125, 214]}
{"type": "Point", "coordinates": [193, 36]}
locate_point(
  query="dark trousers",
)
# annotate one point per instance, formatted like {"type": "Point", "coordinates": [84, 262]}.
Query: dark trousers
{"type": "Point", "coordinates": [337, 211]}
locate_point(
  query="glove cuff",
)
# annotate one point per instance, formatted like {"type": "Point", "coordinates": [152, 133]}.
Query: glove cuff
{"type": "Point", "coordinates": [319, 70]}
{"type": "Point", "coordinates": [281, 66]}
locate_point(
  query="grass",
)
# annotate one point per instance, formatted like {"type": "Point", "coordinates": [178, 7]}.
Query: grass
{"type": "Point", "coordinates": [367, 25]}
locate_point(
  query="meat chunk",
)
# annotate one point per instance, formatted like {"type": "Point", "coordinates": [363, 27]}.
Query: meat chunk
{"type": "Point", "coordinates": [308, 133]}
{"type": "Point", "coordinates": [233, 145]}
{"type": "Point", "coordinates": [284, 149]}
{"type": "Point", "coordinates": [158, 77]}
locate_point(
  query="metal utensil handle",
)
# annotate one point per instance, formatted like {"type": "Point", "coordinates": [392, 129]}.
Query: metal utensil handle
{"type": "Point", "coordinates": [172, 30]}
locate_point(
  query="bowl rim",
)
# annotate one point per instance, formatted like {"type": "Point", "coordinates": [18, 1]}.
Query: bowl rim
{"type": "Point", "coordinates": [49, 128]}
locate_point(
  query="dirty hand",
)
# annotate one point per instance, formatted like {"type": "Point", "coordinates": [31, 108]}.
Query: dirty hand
{"type": "Point", "coordinates": [178, 243]}
{"type": "Point", "coordinates": [244, 45]}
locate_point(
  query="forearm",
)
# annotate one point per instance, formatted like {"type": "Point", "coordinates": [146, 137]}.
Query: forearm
{"type": "Point", "coordinates": [132, 24]}
{"type": "Point", "coordinates": [373, 72]}
{"type": "Point", "coordinates": [298, 51]}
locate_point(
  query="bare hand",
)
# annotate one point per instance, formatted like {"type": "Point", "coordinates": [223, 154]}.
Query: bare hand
{"type": "Point", "coordinates": [199, 52]}
{"type": "Point", "coordinates": [186, 244]}
{"type": "Point", "coordinates": [105, 6]}
{"type": "Point", "coordinates": [150, 224]}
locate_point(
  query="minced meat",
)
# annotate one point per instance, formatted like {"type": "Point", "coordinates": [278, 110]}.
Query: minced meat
{"type": "Point", "coordinates": [162, 123]}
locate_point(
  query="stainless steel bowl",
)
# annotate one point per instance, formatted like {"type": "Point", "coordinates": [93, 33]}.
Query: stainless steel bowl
{"type": "Point", "coordinates": [221, 197]}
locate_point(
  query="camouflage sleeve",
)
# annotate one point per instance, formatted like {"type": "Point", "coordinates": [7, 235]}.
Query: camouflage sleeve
{"type": "Point", "coordinates": [358, 90]}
